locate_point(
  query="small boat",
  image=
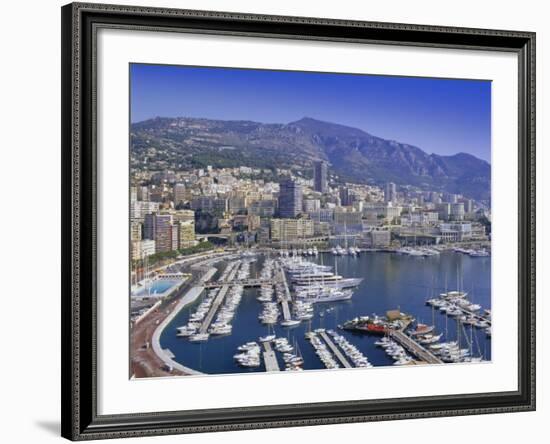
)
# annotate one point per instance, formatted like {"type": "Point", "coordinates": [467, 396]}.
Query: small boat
{"type": "Point", "coordinates": [430, 339]}
{"type": "Point", "coordinates": [199, 337]}
{"type": "Point", "coordinates": [290, 322]}
{"type": "Point", "coordinates": [422, 329]}
{"type": "Point", "coordinates": [267, 338]}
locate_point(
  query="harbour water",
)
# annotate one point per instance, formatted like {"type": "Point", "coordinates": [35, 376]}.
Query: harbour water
{"type": "Point", "coordinates": [390, 281]}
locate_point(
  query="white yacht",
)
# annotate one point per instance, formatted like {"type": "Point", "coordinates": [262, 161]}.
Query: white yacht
{"type": "Point", "coordinates": [267, 338]}
{"type": "Point", "coordinates": [199, 337]}
{"type": "Point", "coordinates": [290, 322]}
{"type": "Point", "coordinates": [327, 295]}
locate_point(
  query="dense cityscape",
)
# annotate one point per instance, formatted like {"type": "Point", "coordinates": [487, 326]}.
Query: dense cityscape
{"type": "Point", "coordinates": [195, 233]}
{"type": "Point", "coordinates": [176, 211]}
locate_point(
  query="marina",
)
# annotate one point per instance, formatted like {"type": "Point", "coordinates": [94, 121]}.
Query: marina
{"type": "Point", "coordinates": [276, 300]}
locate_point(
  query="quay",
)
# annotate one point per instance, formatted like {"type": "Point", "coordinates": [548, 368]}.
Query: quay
{"type": "Point", "coordinates": [244, 283]}
{"type": "Point", "coordinates": [413, 347]}
{"type": "Point", "coordinates": [213, 309]}
{"type": "Point", "coordinates": [335, 350]}
{"type": "Point", "coordinates": [286, 310]}
{"type": "Point", "coordinates": [218, 301]}
{"type": "Point", "coordinates": [166, 356]}
{"type": "Point", "coordinates": [286, 297]}
{"type": "Point", "coordinates": [270, 359]}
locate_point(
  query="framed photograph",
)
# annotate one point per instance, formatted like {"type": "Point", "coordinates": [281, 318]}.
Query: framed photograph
{"type": "Point", "coordinates": [281, 221]}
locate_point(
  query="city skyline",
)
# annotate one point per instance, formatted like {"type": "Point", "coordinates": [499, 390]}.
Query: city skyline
{"type": "Point", "coordinates": [441, 116]}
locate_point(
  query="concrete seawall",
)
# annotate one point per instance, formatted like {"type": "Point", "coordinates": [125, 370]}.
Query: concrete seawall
{"type": "Point", "coordinates": [165, 355]}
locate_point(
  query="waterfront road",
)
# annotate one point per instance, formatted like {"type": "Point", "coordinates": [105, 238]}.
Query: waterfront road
{"type": "Point", "coordinates": [166, 355]}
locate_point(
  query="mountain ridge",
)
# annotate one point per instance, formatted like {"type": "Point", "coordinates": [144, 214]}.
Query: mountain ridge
{"type": "Point", "coordinates": [353, 153]}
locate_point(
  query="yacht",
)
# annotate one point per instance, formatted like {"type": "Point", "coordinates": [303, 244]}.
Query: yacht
{"type": "Point", "coordinates": [248, 346]}
{"type": "Point", "coordinates": [199, 337]}
{"type": "Point", "coordinates": [267, 338]}
{"type": "Point", "coordinates": [338, 283]}
{"type": "Point", "coordinates": [326, 295]}
{"type": "Point", "coordinates": [186, 331]}
{"type": "Point", "coordinates": [221, 329]}
{"type": "Point", "coordinates": [430, 339]}
{"type": "Point", "coordinates": [479, 253]}
{"type": "Point", "coordinates": [290, 322]}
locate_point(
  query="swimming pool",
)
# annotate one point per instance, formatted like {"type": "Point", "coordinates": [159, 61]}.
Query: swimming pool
{"type": "Point", "coordinates": [156, 289]}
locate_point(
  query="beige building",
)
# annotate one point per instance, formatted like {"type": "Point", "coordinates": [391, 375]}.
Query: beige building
{"type": "Point", "coordinates": [180, 193]}
{"type": "Point", "coordinates": [142, 249]}
{"type": "Point", "coordinates": [291, 229]}
{"type": "Point", "coordinates": [385, 211]}
{"type": "Point", "coordinates": [139, 209]}
{"type": "Point", "coordinates": [135, 231]}
{"type": "Point", "coordinates": [180, 215]}
{"type": "Point", "coordinates": [186, 234]}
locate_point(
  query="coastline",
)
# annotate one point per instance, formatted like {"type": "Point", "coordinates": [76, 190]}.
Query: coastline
{"type": "Point", "coordinates": [164, 354]}
{"type": "Point", "coordinates": [147, 358]}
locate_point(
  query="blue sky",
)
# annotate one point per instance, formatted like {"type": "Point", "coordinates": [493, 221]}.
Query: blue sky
{"type": "Point", "coordinates": [440, 116]}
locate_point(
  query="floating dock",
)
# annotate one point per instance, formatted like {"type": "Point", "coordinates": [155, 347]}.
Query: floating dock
{"type": "Point", "coordinates": [286, 297]}
{"type": "Point", "coordinates": [244, 283]}
{"type": "Point", "coordinates": [286, 310]}
{"type": "Point", "coordinates": [335, 350]}
{"type": "Point", "coordinates": [213, 309]}
{"type": "Point", "coordinates": [414, 347]}
{"type": "Point", "coordinates": [270, 359]}
{"type": "Point", "coordinates": [219, 299]}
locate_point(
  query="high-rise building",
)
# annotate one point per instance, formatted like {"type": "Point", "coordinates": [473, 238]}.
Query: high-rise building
{"type": "Point", "coordinates": [238, 204]}
{"type": "Point", "coordinates": [457, 211]}
{"type": "Point", "coordinates": [263, 208]}
{"type": "Point", "coordinates": [443, 210]}
{"type": "Point", "coordinates": [186, 231]}
{"type": "Point", "coordinates": [179, 193]}
{"type": "Point", "coordinates": [290, 199]}
{"type": "Point", "coordinates": [390, 194]}
{"type": "Point", "coordinates": [139, 209]}
{"type": "Point", "coordinates": [346, 197]}
{"type": "Point", "coordinates": [312, 205]}
{"type": "Point", "coordinates": [320, 173]}
{"type": "Point", "coordinates": [135, 231]}
{"type": "Point", "coordinates": [179, 215]}
{"type": "Point", "coordinates": [158, 227]}
{"type": "Point", "coordinates": [210, 204]}
{"type": "Point", "coordinates": [143, 193]}
{"type": "Point", "coordinates": [142, 249]}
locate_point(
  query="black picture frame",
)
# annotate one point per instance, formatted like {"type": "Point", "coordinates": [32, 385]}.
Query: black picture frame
{"type": "Point", "coordinates": [80, 22]}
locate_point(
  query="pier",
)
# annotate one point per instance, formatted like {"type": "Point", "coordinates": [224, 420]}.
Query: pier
{"type": "Point", "coordinates": [213, 309]}
{"type": "Point", "coordinates": [414, 347]}
{"type": "Point", "coordinates": [345, 363]}
{"type": "Point", "coordinates": [286, 297]}
{"type": "Point", "coordinates": [270, 359]}
{"type": "Point", "coordinates": [286, 310]}
{"type": "Point", "coordinates": [166, 356]}
{"type": "Point", "coordinates": [245, 283]}
{"type": "Point", "coordinates": [219, 299]}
